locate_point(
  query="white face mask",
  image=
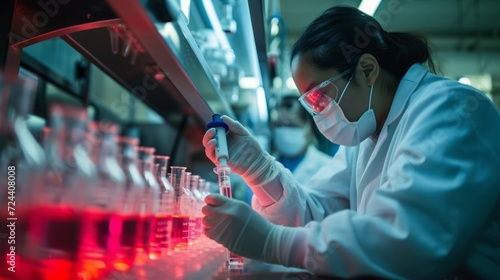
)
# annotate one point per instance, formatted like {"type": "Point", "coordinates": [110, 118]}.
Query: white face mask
{"type": "Point", "coordinates": [290, 141]}
{"type": "Point", "coordinates": [338, 129]}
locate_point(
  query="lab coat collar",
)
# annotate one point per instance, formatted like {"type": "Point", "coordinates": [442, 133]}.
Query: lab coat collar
{"type": "Point", "coordinates": [406, 87]}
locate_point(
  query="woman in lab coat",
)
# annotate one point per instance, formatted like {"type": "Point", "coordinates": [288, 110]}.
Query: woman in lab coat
{"type": "Point", "coordinates": [412, 193]}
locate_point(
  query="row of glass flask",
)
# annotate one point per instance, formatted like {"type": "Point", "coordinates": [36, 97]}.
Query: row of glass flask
{"type": "Point", "coordinates": [89, 204]}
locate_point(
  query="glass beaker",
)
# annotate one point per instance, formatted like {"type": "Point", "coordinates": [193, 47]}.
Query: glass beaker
{"type": "Point", "coordinates": [21, 163]}
{"type": "Point", "coordinates": [180, 219]}
{"type": "Point", "coordinates": [164, 215]}
{"type": "Point", "coordinates": [126, 223]}
{"type": "Point", "coordinates": [97, 244]}
{"type": "Point", "coordinates": [68, 176]}
{"type": "Point", "coordinates": [198, 204]}
{"type": "Point", "coordinates": [151, 201]}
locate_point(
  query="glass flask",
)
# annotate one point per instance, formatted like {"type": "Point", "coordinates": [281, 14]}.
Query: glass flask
{"type": "Point", "coordinates": [150, 202]}
{"type": "Point", "coordinates": [126, 223]}
{"type": "Point", "coordinates": [102, 203]}
{"type": "Point", "coordinates": [180, 216]}
{"type": "Point", "coordinates": [164, 215]}
{"type": "Point", "coordinates": [69, 174]}
{"type": "Point", "coordinates": [199, 202]}
{"type": "Point", "coordinates": [18, 147]}
{"type": "Point", "coordinates": [188, 203]}
{"type": "Point", "coordinates": [21, 162]}
{"type": "Point", "coordinates": [202, 187]}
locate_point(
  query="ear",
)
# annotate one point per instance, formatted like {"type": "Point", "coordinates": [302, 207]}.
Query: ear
{"type": "Point", "coordinates": [367, 70]}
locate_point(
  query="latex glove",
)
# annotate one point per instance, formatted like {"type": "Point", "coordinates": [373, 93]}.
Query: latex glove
{"type": "Point", "coordinates": [238, 227]}
{"type": "Point", "coordinates": [246, 156]}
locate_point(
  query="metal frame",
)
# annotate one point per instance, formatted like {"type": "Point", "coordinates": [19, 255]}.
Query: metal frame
{"type": "Point", "coordinates": [188, 86]}
{"type": "Point", "coordinates": [6, 14]}
{"type": "Point", "coordinates": [178, 57]}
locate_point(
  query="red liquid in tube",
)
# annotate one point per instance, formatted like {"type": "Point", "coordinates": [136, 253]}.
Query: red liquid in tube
{"type": "Point", "coordinates": [226, 191]}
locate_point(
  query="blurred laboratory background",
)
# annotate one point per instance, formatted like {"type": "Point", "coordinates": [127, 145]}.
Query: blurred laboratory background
{"type": "Point", "coordinates": [151, 73]}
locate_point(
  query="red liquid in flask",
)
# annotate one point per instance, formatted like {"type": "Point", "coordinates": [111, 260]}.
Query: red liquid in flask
{"type": "Point", "coordinates": [163, 228]}
{"type": "Point", "coordinates": [192, 229]}
{"type": "Point", "coordinates": [142, 248]}
{"type": "Point", "coordinates": [54, 234]}
{"type": "Point", "coordinates": [94, 243]}
{"type": "Point", "coordinates": [180, 232]}
{"type": "Point", "coordinates": [12, 233]}
{"type": "Point", "coordinates": [198, 226]}
{"type": "Point", "coordinates": [159, 236]}
{"type": "Point", "coordinates": [95, 231]}
{"type": "Point", "coordinates": [146, 224]}
{"type": "Point", "coordinates": [124, 233]}
{"type": "Point", "coordinates": [130, 230]}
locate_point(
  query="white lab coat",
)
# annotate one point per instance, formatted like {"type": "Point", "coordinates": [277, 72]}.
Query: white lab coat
{"type": "Point", "coordinates": [420, 202]}
{"type": "Point", "coordinates": [313, 161]}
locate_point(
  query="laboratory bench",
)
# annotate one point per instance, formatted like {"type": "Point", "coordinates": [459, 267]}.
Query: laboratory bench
{"type": "Point", "coordinates": [257, 270]}
{"type": "Point", "coordinates": [209, 263]}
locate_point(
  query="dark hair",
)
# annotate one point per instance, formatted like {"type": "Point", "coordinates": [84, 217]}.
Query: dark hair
{"type": "Point", "coordinates": [338, 37]}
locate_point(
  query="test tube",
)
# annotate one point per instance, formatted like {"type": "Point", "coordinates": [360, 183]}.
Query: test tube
{"type": "Point", "coordinates": [224, 172]}
{"type": "Point", "coordinates": [114, 38]}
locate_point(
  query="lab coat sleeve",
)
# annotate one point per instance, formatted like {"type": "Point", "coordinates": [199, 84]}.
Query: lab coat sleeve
{"type": "Point", "coordinates": [313, 161]}
{"type": "Point", "coordinates": [324, 194]}
{"type": "Point", "coordinates": [440, 189]}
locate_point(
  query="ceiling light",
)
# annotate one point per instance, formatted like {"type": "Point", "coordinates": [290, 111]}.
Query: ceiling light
{"type": "Point", "coordinates": [277, 82]}
{"type": "Point", "coordinates": [249, 82]}
{"type": "Point", "coordinates": [369, 6]}
{"type": "Point", "coordinates": [290, 83]}
{"type": "Point", "coordinates": [262, 104]}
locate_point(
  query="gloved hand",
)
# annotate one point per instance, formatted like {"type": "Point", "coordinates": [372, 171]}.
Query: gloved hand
{"type": "Point", "coordinates": [245, 232]}
{"type": "Point", "coordinates": [246, 156]}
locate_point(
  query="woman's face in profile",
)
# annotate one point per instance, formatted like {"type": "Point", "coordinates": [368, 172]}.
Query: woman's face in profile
{"type": "Point", "coordinates": [354, 101]}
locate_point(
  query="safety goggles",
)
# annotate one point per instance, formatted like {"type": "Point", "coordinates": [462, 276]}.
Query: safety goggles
{"type": "Point", "coordinates": [315, 100]}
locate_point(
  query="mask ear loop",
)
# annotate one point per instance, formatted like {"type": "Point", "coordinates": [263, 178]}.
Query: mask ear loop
{"type": "Point", "coordinates": [348, 82]}
{"type": "Point", "coordinates": [370, 101]}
